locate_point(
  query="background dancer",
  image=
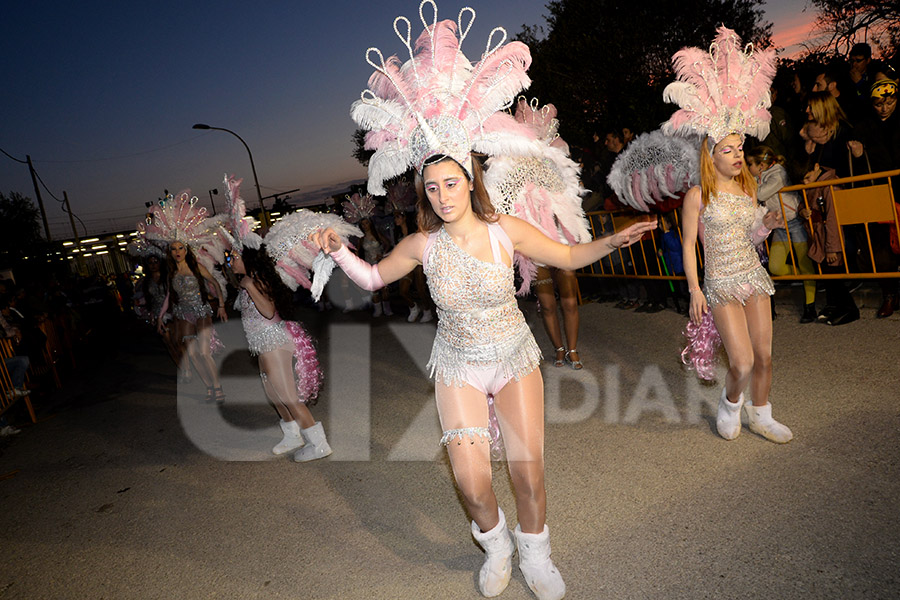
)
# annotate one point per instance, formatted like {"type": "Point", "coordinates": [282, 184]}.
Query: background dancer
{"type": "Point", "coordinates": [734, 302]}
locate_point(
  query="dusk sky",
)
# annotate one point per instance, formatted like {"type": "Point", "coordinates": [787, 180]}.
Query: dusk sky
{"type": "Point", "coordinates": [103, 95]}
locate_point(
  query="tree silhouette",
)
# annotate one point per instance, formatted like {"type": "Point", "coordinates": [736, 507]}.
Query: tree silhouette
{"type": "Point", "coordinates": [604, 63]}
{"type": "Point", "coordinates": [20, 229]}
{"type": "Point", "coordinates": [842, 22]}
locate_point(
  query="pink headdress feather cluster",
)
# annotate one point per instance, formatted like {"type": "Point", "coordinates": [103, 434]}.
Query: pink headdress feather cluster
{"type": "Point", "coordinates": [723, 90]}
{"type": "Point", "coordinates": [179, 219]}
{"type": "Point", "coordinates": [357, 207]}
{"type": "Point", "coordinates": [240, 226]}
{"type": "Point", "coordinates": [543, 189]}
{"type": "Point", "coordinates": [654, 169]}
{"type": "Point", "coordinates": [440, 103]}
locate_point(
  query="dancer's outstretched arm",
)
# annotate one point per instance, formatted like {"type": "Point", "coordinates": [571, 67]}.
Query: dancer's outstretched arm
{"type": "Point", "coordinates": [528, 240]}
{"type": "Point", "coordinates": [402, 260]}
{"type": "Point", "coordinates": [160, 327]}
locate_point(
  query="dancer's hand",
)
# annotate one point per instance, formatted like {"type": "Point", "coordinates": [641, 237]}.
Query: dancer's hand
{"type": "Point", "coordinates": [630, 234]}
{"type": "Point", "coordinates": [160, 326]}
{"type": "Point", "coordinates": [327, 240]}
{"type": "Point", "coordinates": [698, 305]}
{"type": "Point", "coordinates": [773, 220]}
{"type": "Point", "coordinates": [222, 313]}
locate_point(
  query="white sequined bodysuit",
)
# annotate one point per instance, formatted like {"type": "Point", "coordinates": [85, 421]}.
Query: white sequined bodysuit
{"type": "Point", "coordinates": [732, 267]}
{"type": "Point", "coordinates": [190, 306]}
{"type": "Point", "coordinates": [480, 325]}
{"type": "Point", "coordinates": [263, 335]}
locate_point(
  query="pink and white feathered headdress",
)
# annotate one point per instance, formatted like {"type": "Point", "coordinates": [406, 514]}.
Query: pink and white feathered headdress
{"type": "Point", "coordinates": [438, 102]}
{"type": "Point", "coordinates": [179, 219]}
{"type": "Point", "coordinates": [357, 208]}
{"type": "Point", "coordinates": [543, 189]}
{"type": "Point", "coordinates": [240, 227]}
{"type": "Point", "coordinates": [721, 91]}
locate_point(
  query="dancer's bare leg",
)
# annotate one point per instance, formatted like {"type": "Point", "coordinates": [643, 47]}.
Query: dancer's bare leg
{"type": "Point", "coordinates": [277, 371]}
{"type": "Point", "coordinates": [187, 332]}
{"type": "Point", "coordinates": [731, 322]}
{"type": "Point", "coordinates": [520, 411]}
{"type": "Point", "coordinates": [567, 284]}
{"type": "Point", "coordinates": [758, 313]}
{"type": "Point", "coordinates": [202, 355]}
{"type": "Point", "coordinates": [546, 295]}
{"type": "Point", "coordinates": [460, 408]}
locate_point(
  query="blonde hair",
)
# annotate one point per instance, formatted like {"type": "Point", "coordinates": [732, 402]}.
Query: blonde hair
{"type": "Point", "coordinates": [825, 110]}
{"type": "Point", "coordinates": [708, 175]}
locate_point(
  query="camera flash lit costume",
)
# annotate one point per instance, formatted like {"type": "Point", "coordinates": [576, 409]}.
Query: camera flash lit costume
{"type": "Point", "coordinates": [439, 104]}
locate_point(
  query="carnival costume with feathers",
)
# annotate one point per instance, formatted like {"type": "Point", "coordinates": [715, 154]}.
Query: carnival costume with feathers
{"type": "Point", "coordinates": [655, 171]}
{"type": "Point", "coordinates": [542, 189]}
{"type": "Point", "coordinates": [722, 91]}
{"type": "Point", "coordinates": [438, 103]}
{"type": "Point", "coordinates": [298, 263]}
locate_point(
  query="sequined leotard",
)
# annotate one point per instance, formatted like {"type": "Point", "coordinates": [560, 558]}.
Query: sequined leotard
{"type": "Point", "coordinates": [190, 306]}
{"type": "Point", "coordinates": [480, 324]}
{"type": "Point", "coordinates": [732, 267]}
{"type": "Point", "coordinates": [263, 335]}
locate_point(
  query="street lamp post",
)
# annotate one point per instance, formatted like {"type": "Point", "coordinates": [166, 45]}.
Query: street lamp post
{"type": "Point", "coordinates": [213, 204]}
{"type": "Point", "coordinates": [262, 209]}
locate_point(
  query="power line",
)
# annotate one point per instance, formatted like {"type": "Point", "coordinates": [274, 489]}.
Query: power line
{"type": "Point", "coordinates": [108, 158]}
{"type": "Point", "coordinates": [24, 162]}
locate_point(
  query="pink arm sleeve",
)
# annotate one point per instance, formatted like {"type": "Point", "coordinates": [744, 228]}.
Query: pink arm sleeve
{"type": "Point", "coordinates": [362, 273]}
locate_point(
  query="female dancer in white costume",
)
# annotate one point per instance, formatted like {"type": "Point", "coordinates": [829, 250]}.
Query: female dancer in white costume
{"type": "Point", "coordinates": [723, 210]}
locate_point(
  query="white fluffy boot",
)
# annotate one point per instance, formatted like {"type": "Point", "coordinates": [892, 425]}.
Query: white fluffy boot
{"type": "Point", "coordinates": [498, 549]}
{"type": "Point", "coordinates": [761, 422]}
{"type": "Point", "coordinates": [386, 306]}
{"type": "Point", "coordinates": [540, 573]}
{"type": "Point", "coordinates": [292, 438]}
{"type": "Point", "coordinates": [426, 316]}
{"type": "Point", "coordinates": [728, 417]}
{"type": "Point", "coordinates": [316, 444]}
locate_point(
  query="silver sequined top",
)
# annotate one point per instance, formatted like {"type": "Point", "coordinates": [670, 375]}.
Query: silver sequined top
{"type": "Point", "coordinates": [263, 335]}
{"type": "Point", "coordinates": [480, 323]}
{"type": "Point", "coordinates": [190, 306]}
{"type": "Point", "coordinates": [731, 263]}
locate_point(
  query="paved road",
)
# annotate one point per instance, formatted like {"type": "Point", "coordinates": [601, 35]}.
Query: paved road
{"type": "Point", "coordinates": [123, 489]}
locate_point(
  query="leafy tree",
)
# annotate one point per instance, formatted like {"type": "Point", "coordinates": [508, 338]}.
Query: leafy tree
{"type": "Point", "coordinates": [604, 63]}
{"type": "Point", "coordinates": [359, 151]}
{"type": "Point", "coordinates": [20, 229]}
{"type": "Point", "coordinates": [845, 22]}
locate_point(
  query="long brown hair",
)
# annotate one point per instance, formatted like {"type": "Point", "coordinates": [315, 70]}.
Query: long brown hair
{"type": "Point", "coordinates": [260, 267]}
{"type": "Point", "coordinates": [708, 175]}
{"type": "Point", "coordinates": [428, 221]}
{"type": "Point", "coordinates": [192, 264]}
{"type": "Point", "coordinates": [825, 111]}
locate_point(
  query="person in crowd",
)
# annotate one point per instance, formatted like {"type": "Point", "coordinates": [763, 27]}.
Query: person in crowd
{"type": "Point", "coordinates": [421, 304]}
{"type": "Point", "coordinates": [877, 143]}
{"type": "Point", "coordinates": [860, 58]}
{"type": "Point", "coordinates": [835, 80]}
{"type": "Point", "coordinates": [150, 293]}
{"type": "Point", "coordinates": [827, 135]}
{"type": "Point", "coordinates": [768, 168]}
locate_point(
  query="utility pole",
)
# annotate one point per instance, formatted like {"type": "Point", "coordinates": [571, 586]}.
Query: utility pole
{"type": "Point", "coordinates": [37, 192]}
{"type": "Point", "coordinates": [78, 259]}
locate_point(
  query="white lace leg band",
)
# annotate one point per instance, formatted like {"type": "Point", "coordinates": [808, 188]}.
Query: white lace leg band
{"type": "Point", "coordinates": [471, 432]}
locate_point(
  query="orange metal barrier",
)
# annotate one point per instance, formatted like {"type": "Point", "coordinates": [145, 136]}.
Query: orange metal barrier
{"type": "Point", "coordinates": [861, 205]}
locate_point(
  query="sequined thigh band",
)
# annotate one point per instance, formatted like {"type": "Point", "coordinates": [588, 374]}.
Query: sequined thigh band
{"type": "Point", "coordinates": [471, 432]}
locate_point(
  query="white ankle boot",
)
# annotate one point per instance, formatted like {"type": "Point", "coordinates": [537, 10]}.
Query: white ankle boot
{"type": "Point", "coordinates": [534, 560]}
{"type": "Point", "coordinates": [498, 549]}
{"type": "Point", "coordinates": [316, 444]}
{"type": "Point", "coordinates": [761, 422]}
{"type": "Point", "coordinates": [376, 311]}
{"type": "Point", "coordinates": [728, 417]}
{"type": "Point", "coordinates": [413, 313]}
{"type": "Point", "coordinates": [426, 316]}
{"type": "Point", "coordinates": [386, 306]}
{"type": "Point", "coordinates": [292, 438]}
